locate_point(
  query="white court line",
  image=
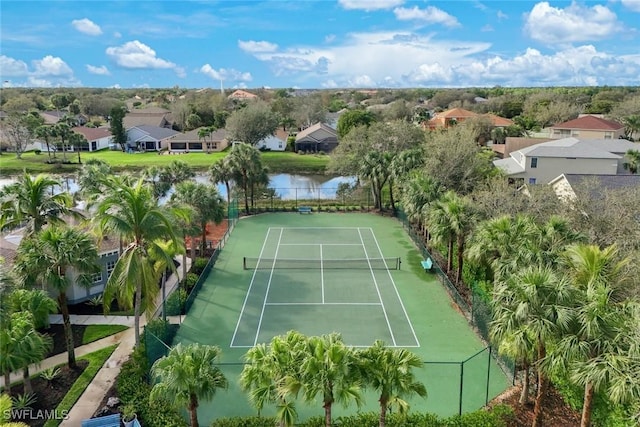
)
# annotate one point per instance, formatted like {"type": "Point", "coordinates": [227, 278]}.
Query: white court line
{"type": "Point", "coordinates": [320, 228]}
{"type": "Point", "coordinates": [351, 346]}
{"type": "Point", "coordinates": [321, 274]}
{"type": "Point", "coordinates": [266, 294]}
{"type": "Point", "coordinates": [373, 275]}
{"type": "Point", "coordinates": [255, 270]}
{"type": "Point", "coordinates": [323, 303]}
{"type": "Point", "coordinates": [326, 244]}
{"type": "Point", "coordinates": [396, 289]}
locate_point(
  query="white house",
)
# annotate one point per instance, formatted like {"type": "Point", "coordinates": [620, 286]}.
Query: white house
{"type": "Point", "coordinates": [275, 142]}
{"type": "Point", "coordinates": [97, 138]}
{"type": "Point", "coordinates": [540, 163]}
{"type": "Point", "coordinates": [149, 138]}
{"type": "Point", "coordinates": [565, 185]}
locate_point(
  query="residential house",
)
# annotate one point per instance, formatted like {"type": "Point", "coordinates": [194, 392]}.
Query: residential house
{"type": "Point", "coordinates": [191, 141]}
{"type": "Point", "coordinates": [149, 138]}
{"type": "Point", "coordinates": [107, 253]}
{"type": "Point", "coordinates": [53, 117]}
{"type": "Point", "coordinates": [588, 127]}
{"type": "Point", "coordinates": [97, 138]}
{"type": "Point", "coordinates": [275, 142]}
{"type": "Point", "coordinates": [319, 137]}
{"type": "Point", "coordinates": [150, 116]}
{"type": "Point", "coordinates": [513, 143]}
{"type": "Point", "coordinates": [565, 185]}
{"type": "Point", "coordinates": [540, 163]}
{"type": "Point", "coordinates": [454, 116]}
{"type": "Point", "coordinates": [242, 95]}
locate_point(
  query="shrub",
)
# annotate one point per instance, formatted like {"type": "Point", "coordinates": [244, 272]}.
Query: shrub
{"type": "Point", "coordinates": [199, 265]}
{"type": "Point", "coordinates": [190, 281]}
{"type": "Point", "coordinates": [175, 302]}
{"type": "Point", "coordinates": [37, 152]}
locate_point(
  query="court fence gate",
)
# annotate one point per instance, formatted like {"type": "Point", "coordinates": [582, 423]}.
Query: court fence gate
{"type": "Point", "coordinates": [476, 311]}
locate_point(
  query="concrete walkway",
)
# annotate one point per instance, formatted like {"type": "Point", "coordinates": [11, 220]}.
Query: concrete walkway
{"type": "Point", "coordinates": [89, 402]}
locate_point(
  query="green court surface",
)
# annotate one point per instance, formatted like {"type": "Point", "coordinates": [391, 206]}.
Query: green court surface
{"type": "Point", "coordinates": [333, 272]}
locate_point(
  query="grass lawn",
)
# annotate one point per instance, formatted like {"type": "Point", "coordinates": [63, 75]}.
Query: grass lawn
{"type": "Point", "coordinates": [119, 161]}
{"type": "Point", "coordinates": [96, 332]}
{"type": "Point", "coordinates": [96, 360]}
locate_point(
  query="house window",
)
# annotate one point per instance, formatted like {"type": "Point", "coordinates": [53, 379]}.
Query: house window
{"type": "Point", "coordinates": [178, 145]}
{"type": "Point", "coordinates": [608, 135]}
{"type": "Point", "coordinates": [110, 266]}
{"type": "Point", "coordinates": [97, 278]}
{"type": "Point", "coordinates": [534, 162]}
{"type": "Point", "coordinates": [532, 180]}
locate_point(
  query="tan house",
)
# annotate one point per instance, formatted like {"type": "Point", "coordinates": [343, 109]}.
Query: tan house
{"type": "Point", "coordinates": [454, 116]}
{"type": "Point", "coordinates": [319, 137]}
{"type": "Point", "coordinates": [541, 163]}
{"type": "Point", "coordinates": [191, 141]}
{"type": "Point", "coordinates": [242, 95]}
{"type": "Point", "coordinates": [514, 143]}
{"type": "Point", "coordinates": [151, 116]}
{"type": "Point", "coordinates": [588, 127]}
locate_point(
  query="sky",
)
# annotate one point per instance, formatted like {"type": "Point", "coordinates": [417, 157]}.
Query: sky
{"type": "Point", "coordinates": [319, 44]}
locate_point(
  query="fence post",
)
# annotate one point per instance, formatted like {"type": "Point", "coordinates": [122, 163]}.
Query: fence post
{"type": "Point", "coordinates": [486, 400]}
{"type": "Point", "coordinates": [461, 387]}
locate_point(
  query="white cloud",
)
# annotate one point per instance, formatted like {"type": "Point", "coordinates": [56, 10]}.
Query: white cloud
{"type": "Point", "coordinates": [431, 73]}
{"type": "Point", "coordinates": [226, 74]}
{"type": "Point", "coordinates": [575, 23]}
{"type": "Point", "coordinates": [487, 28]}
{"type": "Point", "coordinates": [501, 15]}
{"type": "Point", "coordinates": [633, 5]}
{"type": "Point", "coordinates": [369, 5]}
{"type": "Point", "coordinates": [12, 67]}
{"type": "Point", "coordinates": [329, 38]}
{"type": "Point", "coordinates": [330, 84]}
{"type": "Point", "coordinates": [428, 15]}
{"type": "Point", "coordinates": [137, 55]}
{"type": "Point", "coordinates": [362, 81]}
{"type": "Point", "coordinates": [254, 46]}
{"type": "Point", "coordinates": [50, 66]}
{"type": "Point", "coordinates": [86, 26]}
{"type": "Point", "coordinates": [101, 70]}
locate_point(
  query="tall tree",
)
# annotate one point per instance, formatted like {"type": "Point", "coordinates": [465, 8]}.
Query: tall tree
{"type": "Point", "coordinates": [246, 165]}
{"type": "Point", "coordinates": [116, 125]}
{"type": "Point", "coordinates": [252, 123]}
{"type": "Point", "coordinates": [31, 200]}
{"type": "Point", "coordinates": [48, 257]}
{"type": "Point", "coordinates": [35, 301]}
{"type": "Point", "coordinates": [62, 131]}
{"type": "Point", "coordinates": [632, 163]}
{"type": "Point", "coordinates": [533, 303]}
{"type": "Point", "coordinates": [132, 212]}
{"type": "Point", "coordinates": [206, 203]}
{"type": "Point", "coordinates": [187, 375]}
{"type": "Point", "coordinates": [328, 370]}
{"type": "Point", "coordinates": [600, 280]}
{"type": "Point", "coordinates": [222, 171]}
{"type": "Point", "coordinates": [46, 132]}
{"type": "Point", "coordinates": [390, 372]}
{"type": "Point", "coordinates": [352, 119]}
{"type": "Point", "coordinates": [266, 370]}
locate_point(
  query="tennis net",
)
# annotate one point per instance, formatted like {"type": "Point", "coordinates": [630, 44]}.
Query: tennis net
{"type": "Point", "coordinates": [327, 264]}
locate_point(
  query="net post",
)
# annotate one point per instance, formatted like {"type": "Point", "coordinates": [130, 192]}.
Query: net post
{"type": "Point", "coordinates": [486, 400]}
{"type": "Point", "coordinates": [461, 388]}
{"type": "Point", "coordinates": [244, 263]}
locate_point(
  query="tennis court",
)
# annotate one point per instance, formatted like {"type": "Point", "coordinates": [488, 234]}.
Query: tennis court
{"type": "Point", "coordinates": [322, 279]}
{"type": "Point", "coordinates": [357, 274]}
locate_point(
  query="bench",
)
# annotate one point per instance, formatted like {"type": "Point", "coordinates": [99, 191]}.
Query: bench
{"type": "Point", "coordinates": [427, 264]}
{"type": "Point", "coordinates": [106, 421]}
{"type": "Point", "coordinates": [304, 209]}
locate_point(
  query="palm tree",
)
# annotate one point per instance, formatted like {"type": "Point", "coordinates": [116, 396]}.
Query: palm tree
{"type": "Point", "coordinates": [400, 167]}
{"type": "Point", "coordinates": [221, 171]}
{"type": "Point", "coordinates": [91, 178]}
{"type": "Point", "coordinates": [31, 200]}
{"type": "Point", "coordinates": [534, 303]}
{"type": "Point", "coordinates": [132, 212]}
{"type": "Point", "coordinates": [631, 126]}
{"type": "Point", "coordinates": [5, 412]}
{"type": "Point", "coordinates": [390, 372]}
{"type": "Point", "coordinates": [35, 301]}
{"type": "Point", "coordinates": [16, 328]}
{"type": "Point", "coordinates": [48, 257]}
{"type": "Point", "coordinates": [63, 131]}
{"type": "Point", "coordinates": [600, 279]}
{"type": "Point", "coordinates": [205, 202]}
{"type": "Point", "coordinates": [329, 370]}
{"type": "Point", "coordinates": [246, 166]}
{"type": "Point", "coordinates": [266, 371]}
{"type": "Point", "coordinates": [46, 132]}
{"type": "Point", "coordinates": [418, 191]}
{"type": "Point", "coordinates": [187, 375]}
{"type": "Point", "coordinates": [633, 161]}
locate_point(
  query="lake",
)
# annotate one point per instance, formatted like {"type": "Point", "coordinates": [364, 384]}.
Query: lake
{"type": "Point", "coordinates": [286, 186]}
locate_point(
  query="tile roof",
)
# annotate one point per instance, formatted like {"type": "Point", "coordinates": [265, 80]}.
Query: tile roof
{"type": "Point", "coordinates": [589, 123]}
{"type": "Point", "coordinates": [311, 129]}
{"type": "Point", "coordinates": [498, 121]}
{"type": "Point", "coordinates": [92, 134]}
{"type": "Point", "coordinates": [242, 94]}
{"type": "Point", "coordinates": [455, 113]}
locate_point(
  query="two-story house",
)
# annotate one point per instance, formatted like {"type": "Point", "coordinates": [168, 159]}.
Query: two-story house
{"type": "Point", "coordinates": [588, 127]}
{"type": "Point", "coordinates": [540, 163]}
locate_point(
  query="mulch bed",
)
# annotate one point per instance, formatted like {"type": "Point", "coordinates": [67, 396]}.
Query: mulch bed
{"type": "Point", "coordinates": [56, 332]}
{"type": "Point", "coordinates": [556, 412]}
{"type": "Point", "coordinates": [49, 395]}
